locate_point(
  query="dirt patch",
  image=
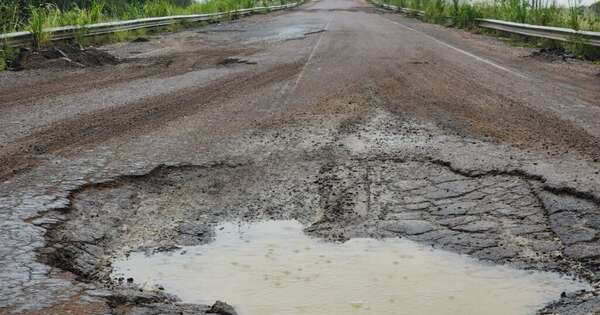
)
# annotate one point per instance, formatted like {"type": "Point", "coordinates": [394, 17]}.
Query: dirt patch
{"type": "Point", "coordinates": [552, 54]}
{"type": "Point", "coordinates": [140, 40]}
{"type": "Point", "coordinates": [112, 122]}
{"type": "Point", "coordinates": [480, 112]}
{"type": "Point", "coordinates": [63, 57]}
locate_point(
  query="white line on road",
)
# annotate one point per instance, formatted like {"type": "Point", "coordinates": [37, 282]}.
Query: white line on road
{"type": "Point", "coordinates": [491, 63]}
{"type": "Point", "coordinates": [312, 53]}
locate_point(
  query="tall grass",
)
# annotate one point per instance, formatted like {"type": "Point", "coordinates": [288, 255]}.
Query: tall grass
{"type": "Point", "coordinates": [435, 11]}
{"type": "Point", "coordinates": [465, 15]}
{"type": "Point", "coordinates": [538, 12]}
{"type": "Point", "coordinates": [40, 18]}
{"type": "Point", "coordinates": [95, 11]}
{"type": "Point", "coordinates": [9, 17]}
{"type": "Point", "coordinates": [573, 15]}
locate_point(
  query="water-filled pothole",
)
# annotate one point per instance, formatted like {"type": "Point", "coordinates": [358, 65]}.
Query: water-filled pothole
{"type": "Point", "coordinates": [272, 267]}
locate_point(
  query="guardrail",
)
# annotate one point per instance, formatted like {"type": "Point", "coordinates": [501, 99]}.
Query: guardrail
{"type": "Point", "coordinates": [400, 9]}
{"type": "Point", "coordinates": [547, 32]}
{"type": "Point", "coordinates": [21, 39]}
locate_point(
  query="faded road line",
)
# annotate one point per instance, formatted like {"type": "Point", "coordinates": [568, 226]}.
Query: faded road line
{"type": "Point", "coordinates": [312, 54]}
{"type": "Point", "coordinates": [491, 63]}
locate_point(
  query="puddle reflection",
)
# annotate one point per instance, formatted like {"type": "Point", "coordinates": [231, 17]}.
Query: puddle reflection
{"type": "Point", "coordinates": [272, 267]}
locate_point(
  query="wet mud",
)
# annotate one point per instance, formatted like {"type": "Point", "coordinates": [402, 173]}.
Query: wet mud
{"type": "Point", "coordinates": [340, 192]}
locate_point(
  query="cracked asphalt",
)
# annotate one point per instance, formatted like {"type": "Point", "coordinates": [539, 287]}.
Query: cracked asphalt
{"type": "Point", "coordinates": [353, 121]}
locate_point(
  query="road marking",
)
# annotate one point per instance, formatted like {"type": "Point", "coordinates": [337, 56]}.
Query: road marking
{"type": "Point", "coordinates": [312, 54]}
{"type": "Point", "coordinates": [491, 63]}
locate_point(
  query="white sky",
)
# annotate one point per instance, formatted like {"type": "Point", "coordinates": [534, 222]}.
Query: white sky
{"type": "Point", "coordinates": [559, 2]}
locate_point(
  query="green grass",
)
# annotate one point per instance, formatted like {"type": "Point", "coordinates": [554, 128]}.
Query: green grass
{"type": "Point", "coordinates": [49, 15]}
{"type": "Point", "coordinates": [7, 55]}
{"type": "Point", "coordinates": [40, 19]}
{"type": "Point", "coordinates": [537, 12]}
{"type": "Point", "coordinates": [37, 18]}
{"type": "Point", "coordinates": [9, 17]}
{"type": "Point", "coordinates": [435, 11]}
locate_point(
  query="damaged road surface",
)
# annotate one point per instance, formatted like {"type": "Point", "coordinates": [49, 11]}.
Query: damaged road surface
{"type": "Point", "coordinates": [334, 128]}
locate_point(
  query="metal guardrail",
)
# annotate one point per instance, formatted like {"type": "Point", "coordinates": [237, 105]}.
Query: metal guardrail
{"type": "Point", "coordinates": [21, 39]}
{"type": "Point", "coordinates": [548, 32]}
{"type": "Point", "coordinates": [400, 9]}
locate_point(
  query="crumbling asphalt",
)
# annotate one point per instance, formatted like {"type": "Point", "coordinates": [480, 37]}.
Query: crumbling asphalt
{"type": "Point", "coordinates": [331, 115]}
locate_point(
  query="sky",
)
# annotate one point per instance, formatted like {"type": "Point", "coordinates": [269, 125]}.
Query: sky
{"type": "Point", "coordinates": [559, 2]}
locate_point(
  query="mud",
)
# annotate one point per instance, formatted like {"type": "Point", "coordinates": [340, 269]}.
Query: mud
{"type": "Point", "coordinates": [63, 57]}
{"type": "Point", "coordinates": [342, 191]}
{"type": "Point", "coordinates": [552, 54]}
{"type": "Point", "coordinates": [497, 217]}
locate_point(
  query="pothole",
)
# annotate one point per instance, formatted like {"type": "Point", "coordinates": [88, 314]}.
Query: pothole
{"type": "Point", "coordinates": [500, 218]}
{"type": "Point", "coordinates": [272, 267]}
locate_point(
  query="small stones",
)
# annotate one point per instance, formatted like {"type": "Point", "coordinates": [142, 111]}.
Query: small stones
{"type": "Point", "coordinates": [222, 308]}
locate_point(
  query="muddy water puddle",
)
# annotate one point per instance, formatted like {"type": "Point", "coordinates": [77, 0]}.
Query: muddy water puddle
{"type": "Point", "coordinates": [272, 267]}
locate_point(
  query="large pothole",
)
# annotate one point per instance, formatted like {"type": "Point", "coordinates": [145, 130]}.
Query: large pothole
{"type": "Point", "coordinates": [272, 267]}
{"type": "Point", "coordinates": [497, 217]}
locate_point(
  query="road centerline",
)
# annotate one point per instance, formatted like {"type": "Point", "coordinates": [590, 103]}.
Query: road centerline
{"type": "Point", "coordinates": [310, 57]}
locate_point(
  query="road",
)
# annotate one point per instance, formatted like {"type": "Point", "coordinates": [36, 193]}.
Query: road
{"type": "Point", "coordinates": [354, 121]}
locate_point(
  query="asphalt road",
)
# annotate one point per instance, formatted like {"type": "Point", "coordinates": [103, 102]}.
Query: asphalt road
{"type": "Point", "coordinates": [334, 98]}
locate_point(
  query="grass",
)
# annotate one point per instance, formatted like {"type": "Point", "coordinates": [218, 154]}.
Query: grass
{"type": "Point", "coordinates": [50, 15]}
{"type": "Point", "coordinates": [38, 18]}
{"type": "Point", "coordinates": [9, 17]}
{"type": "Point", "coordinates": [537, 12]}
{"type": "Point", "coordinates": [7, 56]}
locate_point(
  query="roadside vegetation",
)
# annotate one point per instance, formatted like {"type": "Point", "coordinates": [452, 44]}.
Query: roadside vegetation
{"type": "Point", "coordinates": [19, 15]}
{"type": "Point", "coordinates": [537, 12]}
{"type": "Point", "coordinates": [37, 15]}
